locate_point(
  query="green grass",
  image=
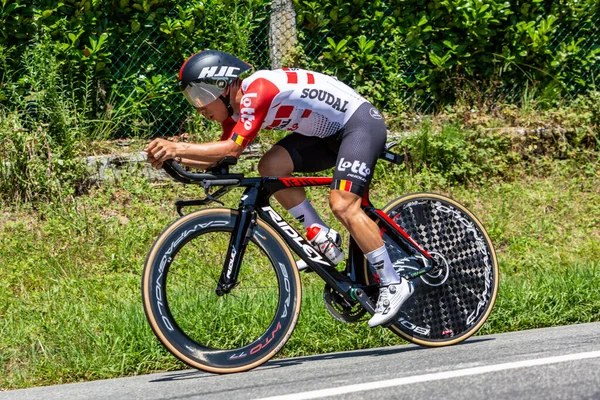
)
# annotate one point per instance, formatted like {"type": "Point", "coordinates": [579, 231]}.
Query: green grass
{"type": "Point", "coordinates": [70, 307]}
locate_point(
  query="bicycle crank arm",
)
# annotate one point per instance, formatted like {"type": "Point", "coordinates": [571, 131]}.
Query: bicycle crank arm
{"type": "Point", "coordinates": [364, 300]}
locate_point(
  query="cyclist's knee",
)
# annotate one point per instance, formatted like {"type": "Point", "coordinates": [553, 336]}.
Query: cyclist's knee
{"type": "Point", "coordinates": [344, 205]}
{"type": "Point", "coordinates": [275, 162]}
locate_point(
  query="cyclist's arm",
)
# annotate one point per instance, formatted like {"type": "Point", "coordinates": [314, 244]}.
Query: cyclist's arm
{"type": "Point", "coordinates": [227, 126]}
{"type": "Point", "coordinates": [210, 152]}
{"type": "Point", "coordinates": [160, 150]}
{"type": "Point", "coordinates": [254, 107]}
{"type": "Point", "coordinates": [194, 158]}
{"type": "Point", "coordinates": [194, 164]}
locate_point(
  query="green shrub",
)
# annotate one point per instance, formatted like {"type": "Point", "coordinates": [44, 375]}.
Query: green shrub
{"type": "Point", "coordinates": [128, 52]}
{"type": "Point", "coordinates": [400, 54]}
{"type": "Point", "coordinates": [423, 49]}
{"type": "Point", "coordinates": [39, 140]}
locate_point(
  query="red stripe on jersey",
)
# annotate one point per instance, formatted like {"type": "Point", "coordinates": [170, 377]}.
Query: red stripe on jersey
{"type": "Point", "coordinates": [284, 112]}
{"type": "Point", "coordinates": [311, 78]}
{"type": "Point", "coordinates": [306, 113]}
{"type": "Point", "coordinates": [274, 124]}
{"type": "Point", "coordinates": [254, 107]}
{"type": "Point", "coordinates": [292, 77]}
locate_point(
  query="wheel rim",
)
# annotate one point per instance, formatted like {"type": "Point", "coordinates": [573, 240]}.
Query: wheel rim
{"type": "Point", "coordinates": [441, 314]}
{"type": "Point", "coordinates": [229, 333]}
{"type": "Point", "coordinates": [221, 322]}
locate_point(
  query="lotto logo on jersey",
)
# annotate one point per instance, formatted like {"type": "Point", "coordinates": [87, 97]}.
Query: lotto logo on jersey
{"type": "Point", "coordinates": [219, 72]}
{"type": "Point", "coordinates": [356, 166]}
{"type": "Point", "coordinates": [247, 111]}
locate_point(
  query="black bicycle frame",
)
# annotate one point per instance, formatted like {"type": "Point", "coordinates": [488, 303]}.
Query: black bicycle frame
{"type": "Point", "coordinates": [255, 203]}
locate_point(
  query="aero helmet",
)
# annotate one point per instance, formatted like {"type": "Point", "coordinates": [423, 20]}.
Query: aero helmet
{"type": "Point", "coordinates": [204, 77]}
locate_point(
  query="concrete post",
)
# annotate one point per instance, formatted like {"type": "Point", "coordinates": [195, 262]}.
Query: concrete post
{"type": "Point", "coordinates": [282, 31]}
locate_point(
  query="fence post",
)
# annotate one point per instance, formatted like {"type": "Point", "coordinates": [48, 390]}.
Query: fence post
{"type": "Point", "coordinates": [282, 31]}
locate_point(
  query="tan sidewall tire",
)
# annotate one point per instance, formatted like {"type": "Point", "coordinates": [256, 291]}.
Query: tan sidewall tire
{"type": "Point", "coordinates": [294, 280]}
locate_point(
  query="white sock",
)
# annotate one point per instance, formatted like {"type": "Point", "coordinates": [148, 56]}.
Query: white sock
{"type": "Point", "coordinates": [380, 260]}
{"type": "Point", "coordinates": [305, 213]}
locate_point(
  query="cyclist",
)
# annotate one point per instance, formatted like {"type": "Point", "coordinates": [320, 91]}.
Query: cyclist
{"type": "Point", "coordinates": [330, 124]}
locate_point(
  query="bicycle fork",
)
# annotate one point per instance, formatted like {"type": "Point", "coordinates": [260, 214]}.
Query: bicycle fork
{"type": "Point", "coordinates": [235, 253]}
{"type": "Point", "coordinates": [242, 231]}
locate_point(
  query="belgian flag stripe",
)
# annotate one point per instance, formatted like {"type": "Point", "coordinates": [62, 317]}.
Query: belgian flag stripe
{"type": "Point", "coordinates": [240, 140]}
{"type": "Point", "coordinates": [345, 185]}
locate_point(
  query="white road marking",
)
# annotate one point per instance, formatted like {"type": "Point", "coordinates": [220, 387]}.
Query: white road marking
{"type": "Point", "coordinates": [361, 387]}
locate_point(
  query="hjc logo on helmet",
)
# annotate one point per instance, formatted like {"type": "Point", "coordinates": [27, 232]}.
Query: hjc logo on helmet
{"type": "Point", "coordinates": [223, 71]}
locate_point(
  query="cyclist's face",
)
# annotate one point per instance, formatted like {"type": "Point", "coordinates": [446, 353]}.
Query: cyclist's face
{"type": "Point", "coordinates": [215, 111]}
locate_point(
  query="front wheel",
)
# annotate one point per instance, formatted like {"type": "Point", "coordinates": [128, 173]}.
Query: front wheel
{"type": "Point", "coordinates": [224, 333]}
{"type": "Point", "coordinates": [453, 300]}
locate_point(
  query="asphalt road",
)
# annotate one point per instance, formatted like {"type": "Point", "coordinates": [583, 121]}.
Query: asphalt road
{"type": "Point", "coordinates": [552, 363]}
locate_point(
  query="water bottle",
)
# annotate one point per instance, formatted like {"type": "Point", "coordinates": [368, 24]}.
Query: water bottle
{"type": "Point", "coordinates": [327, 241]}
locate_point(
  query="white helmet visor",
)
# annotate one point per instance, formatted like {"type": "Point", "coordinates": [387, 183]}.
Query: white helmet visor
{"type": "Point", "coordinates": [202, 93]}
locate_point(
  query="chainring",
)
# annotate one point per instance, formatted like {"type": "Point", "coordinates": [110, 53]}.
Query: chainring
{"type": "Point", "coordinates": [339, 308]}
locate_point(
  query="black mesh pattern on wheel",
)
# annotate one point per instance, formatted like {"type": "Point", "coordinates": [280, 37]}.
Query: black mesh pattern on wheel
{"type": "Point", "coordinates": [461, 300]}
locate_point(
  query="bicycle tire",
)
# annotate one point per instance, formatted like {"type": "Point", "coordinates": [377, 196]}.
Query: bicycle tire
{"type": "Point", "coordinates": [451, 303]}
{"type": "Point", "coordinates": [234, 332]}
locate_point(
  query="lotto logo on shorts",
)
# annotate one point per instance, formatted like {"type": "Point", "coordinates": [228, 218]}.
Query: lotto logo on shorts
{"type": "Point", "coordinates": [355, 166]}
{"type": "Point", "coordinates": [343, 185]}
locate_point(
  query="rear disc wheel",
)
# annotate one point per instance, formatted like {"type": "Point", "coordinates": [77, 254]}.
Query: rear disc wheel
{"type": "Point", "coordinates": [453, 300]}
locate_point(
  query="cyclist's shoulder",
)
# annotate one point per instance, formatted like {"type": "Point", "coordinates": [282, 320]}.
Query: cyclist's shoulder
{"type": "Point", "coordinates": [264, 84]}
{"type": "Point", "coordinates": [275, 76]}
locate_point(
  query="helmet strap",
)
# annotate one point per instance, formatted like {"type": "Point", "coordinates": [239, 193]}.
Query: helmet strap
{"type": "Point", "coordinates": [227, 103]}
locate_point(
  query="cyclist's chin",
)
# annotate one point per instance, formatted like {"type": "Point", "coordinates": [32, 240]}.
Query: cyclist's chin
{"type": "Point", "coordinates": [217, 118]}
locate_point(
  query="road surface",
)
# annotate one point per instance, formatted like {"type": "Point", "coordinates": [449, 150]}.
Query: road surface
{"type": "Point", "coordinates": [551, 363]}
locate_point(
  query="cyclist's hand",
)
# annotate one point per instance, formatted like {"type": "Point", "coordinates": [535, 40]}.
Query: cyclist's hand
{"type": "Point", "coordinates": [155, 164]}
{"type": "Point", "coordinates": [160, 150]}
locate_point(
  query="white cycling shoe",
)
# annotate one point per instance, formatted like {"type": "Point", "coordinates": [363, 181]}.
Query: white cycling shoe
{"type": "Point", "coordinates": [390, 300]}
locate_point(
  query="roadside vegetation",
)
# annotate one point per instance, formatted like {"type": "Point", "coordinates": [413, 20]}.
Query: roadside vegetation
{"type": "Point", "coordinates": [72, 252]}
{"type": "Point", "coordinates": [71, 255]}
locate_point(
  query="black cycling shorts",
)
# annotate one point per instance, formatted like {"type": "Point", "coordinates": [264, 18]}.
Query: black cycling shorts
{"type": "Point", "coordinates": [353, 150]}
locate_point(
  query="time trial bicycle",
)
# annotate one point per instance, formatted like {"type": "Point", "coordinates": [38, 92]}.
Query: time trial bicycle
{"type": "Point", "coordinates": [222, 292]}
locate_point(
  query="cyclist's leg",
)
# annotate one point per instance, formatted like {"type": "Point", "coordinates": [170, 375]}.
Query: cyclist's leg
{"type": "Point", "coordinates": [362, 141]}
{"type": "Point", "coordinates": [298, 153]}
{"type": "Point", "coordinates": [277, 162]}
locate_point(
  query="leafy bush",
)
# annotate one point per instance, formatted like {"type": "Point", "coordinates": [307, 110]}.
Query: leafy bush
{"type": "Point", "coordinates": [39, 140]}
{"type": "Point", "coordinates": [400, 54]}
{"type": "Point", "coordinates": [400, 49]}
{"type": "Point", "coordinates": [128, 52]}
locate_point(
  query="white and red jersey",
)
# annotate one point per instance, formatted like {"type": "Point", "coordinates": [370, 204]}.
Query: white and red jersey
{"type": "Point", "coordinates": [294, 100]}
